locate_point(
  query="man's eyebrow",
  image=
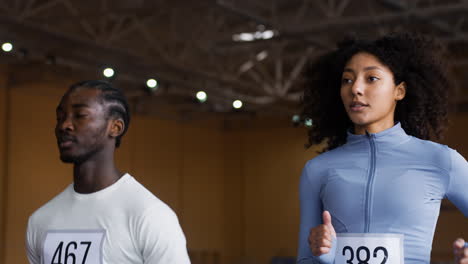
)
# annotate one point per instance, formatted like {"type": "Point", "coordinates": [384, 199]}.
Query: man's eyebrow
{"type": "Point", "coordinates": [79, 105]}
{"type": "Point", "coordinates": [60, 108]}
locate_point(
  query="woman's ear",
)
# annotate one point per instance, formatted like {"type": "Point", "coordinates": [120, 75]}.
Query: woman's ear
{"type": "Point", "coordinates": [400, 91]}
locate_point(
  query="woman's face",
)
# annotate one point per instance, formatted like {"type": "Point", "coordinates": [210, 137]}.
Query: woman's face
{"type": "Point", "coordinates": [369, 93]}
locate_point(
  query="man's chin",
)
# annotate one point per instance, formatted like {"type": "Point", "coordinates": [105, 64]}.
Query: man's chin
{"type": "Point", "coordinates": [67, 159]}
{"type": "Point", "coordinates": [75, 159]}
{"type": "Point", "coordinates": [71, 158]}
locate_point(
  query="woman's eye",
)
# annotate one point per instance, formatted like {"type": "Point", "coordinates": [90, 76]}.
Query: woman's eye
{"type": "Point", "coordinates": [373, 78]}
{"type": "Point", "coordinates": [346, 80]}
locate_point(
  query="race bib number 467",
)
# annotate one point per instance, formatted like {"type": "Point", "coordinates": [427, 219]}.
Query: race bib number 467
{"type": "Point", "coordinates": [73, 247]}
{"type": "Point", "coordinates": [369, 249]}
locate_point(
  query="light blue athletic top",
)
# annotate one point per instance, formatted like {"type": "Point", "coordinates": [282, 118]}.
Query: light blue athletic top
{"type": "Point", "coordinates": [388, 182]}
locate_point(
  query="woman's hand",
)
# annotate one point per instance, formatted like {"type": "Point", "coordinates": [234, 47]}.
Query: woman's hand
{"type": "Point", "coordinates": [461, 251]}
{"type": "Point", "coordinates": [321, 237]}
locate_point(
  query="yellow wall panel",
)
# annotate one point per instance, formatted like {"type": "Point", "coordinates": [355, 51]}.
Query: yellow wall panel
{"type": "Point", "coordinates": [155, 157]}
{"type": "Point", "coordinates": [202, 188]}
{"type": "Point", "coordinates": [3, 155]}
{"type": "Point", "coordinates": [273, 160]}
{"type": "Point", "coordinates": [35, 173]}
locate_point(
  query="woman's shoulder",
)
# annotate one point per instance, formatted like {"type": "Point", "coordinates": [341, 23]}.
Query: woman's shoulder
{"type": "Point", "coordinates": [433, 152]}
{"type": "Point", "coordinates": [325, 159]}
{"type": "Point", "coordinates": [429, 147]}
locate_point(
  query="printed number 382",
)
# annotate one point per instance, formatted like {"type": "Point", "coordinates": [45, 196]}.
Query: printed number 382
{"type": "Point", "coordinates": [69, 256]}
{"type": "Point", "coordinates": [366, 258]}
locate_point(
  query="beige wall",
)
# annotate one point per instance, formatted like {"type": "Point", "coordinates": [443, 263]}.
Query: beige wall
{"type": "Point", "coordinates": [235, 191]}
{"type": "Point", "coordinates": [457, 133]}
{"type": "Point", "coordinates": [3, 156]}
{"type": "Point", "coordinates": [34, 174]}
{"type": "Point", "coordinates": [272, 164]}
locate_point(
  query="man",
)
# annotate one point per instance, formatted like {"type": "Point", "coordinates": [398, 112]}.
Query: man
{"type": "Point", "coordinates": [105, 216]}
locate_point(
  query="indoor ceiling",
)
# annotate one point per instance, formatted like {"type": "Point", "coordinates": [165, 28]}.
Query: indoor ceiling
{"type": "Point", "coordinates": [189, 45]}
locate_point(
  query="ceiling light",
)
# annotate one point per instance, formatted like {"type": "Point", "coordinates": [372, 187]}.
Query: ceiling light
{"type": "Point", "coordinates": [201, 96]}
{"type": "Point", "coordinates": [108, 72]}
{"type": "Point", "coordinates": [237, 104]}
{"type": "Point", "coordinates": [7, 47]}
{"type": "Point", "coordinates": [151, 83]}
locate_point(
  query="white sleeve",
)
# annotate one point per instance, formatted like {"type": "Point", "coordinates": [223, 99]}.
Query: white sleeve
{"type": "Point", "coordinates": [160, 237]}
{"type": "Point", "coordinates": [33, 255]}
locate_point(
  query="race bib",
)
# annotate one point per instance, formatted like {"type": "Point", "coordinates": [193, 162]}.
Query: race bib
{"type": "Point", "coordinates": [369, 249]}
{"type": "Point", "coordinates": [73, 247]}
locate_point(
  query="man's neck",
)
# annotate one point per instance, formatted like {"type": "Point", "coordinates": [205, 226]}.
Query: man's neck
{"type": "Point", "coordinates": [94, 175]}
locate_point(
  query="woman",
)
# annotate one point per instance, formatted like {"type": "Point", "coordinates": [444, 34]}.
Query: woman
{"type": "Point", "coordinates": [374, 195]}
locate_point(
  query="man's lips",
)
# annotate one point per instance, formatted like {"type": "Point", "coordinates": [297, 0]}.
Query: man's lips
{"type": "Point", "coordinates": [65, 144]}
{"type": "Point", "coordinates": [65, 141]}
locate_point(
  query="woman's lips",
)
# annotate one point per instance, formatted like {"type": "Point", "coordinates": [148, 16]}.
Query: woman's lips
{"type": "Point", "coordinates": [358, 106]}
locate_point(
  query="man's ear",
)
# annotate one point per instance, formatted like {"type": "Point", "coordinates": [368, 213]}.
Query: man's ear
{"type": "Point", "coordinates": [400, 91]}
{"type": "Point", "coordinates": [117, 127]}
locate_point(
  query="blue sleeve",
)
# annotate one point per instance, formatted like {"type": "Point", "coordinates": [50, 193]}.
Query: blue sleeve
{"type": "Point", "coordinates": [457, 191]}
{"type": "Point", "coordinates": [311, 216]}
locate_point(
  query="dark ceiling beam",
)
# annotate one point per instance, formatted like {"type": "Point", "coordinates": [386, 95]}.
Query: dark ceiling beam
{"type": "Point", "coordinates": [84, 51]}
{"type": "Point", "coordinates": [118, 12]}
{"type": "Point", "coordinates": [229, 6]}
{"type": "Point", "coordinates": [342, 23]}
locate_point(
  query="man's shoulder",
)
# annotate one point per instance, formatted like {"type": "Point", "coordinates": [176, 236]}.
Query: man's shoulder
{"type": "Point", "coordinates": [52, 206]}
{"type": "Point", "coordinates": [141, 199]}
{"type": "Point", "coordinates": [135, 192]}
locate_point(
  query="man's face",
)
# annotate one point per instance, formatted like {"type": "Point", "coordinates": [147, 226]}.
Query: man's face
{"type": "Point", "coordinates": [82, 125]}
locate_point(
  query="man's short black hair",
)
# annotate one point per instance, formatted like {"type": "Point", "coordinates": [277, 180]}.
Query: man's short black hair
{"type": "Point", "coordinates": [114, 97]}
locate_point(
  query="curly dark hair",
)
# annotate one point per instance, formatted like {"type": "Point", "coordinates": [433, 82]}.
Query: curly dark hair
{"type": "Point", "coordinates": [414, 59]}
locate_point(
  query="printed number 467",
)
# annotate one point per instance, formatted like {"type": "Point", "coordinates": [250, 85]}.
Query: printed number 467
{"type": "Point", "coordinates": [69, 257]}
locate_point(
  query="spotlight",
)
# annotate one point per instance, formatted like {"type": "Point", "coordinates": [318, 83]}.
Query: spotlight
{"type": "Point", "coordinates": [152, 84]}
{"type": "Point", "coordinates": [201, 96]}
{"type": "Point", "coordinates": [296, 119]}
{"type": "Point", "coordinates": [237, 104]}
{"type": "Point", "coordinates": [108, 72]}
{"type": "Point", "coordinates": [268, 34]}
{"type": "Point", "coordinates": [7, 47]}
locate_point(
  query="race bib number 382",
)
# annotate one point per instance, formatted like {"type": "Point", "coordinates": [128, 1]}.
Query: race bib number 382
{"type": "Point", "coordinates": [73, 247]}
{"type": "Point", "coordinates": [369, 249]}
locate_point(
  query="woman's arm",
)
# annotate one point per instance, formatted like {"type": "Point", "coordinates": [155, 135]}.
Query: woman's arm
{"type": "Point", "coordinates": [457, 193]}
{"type": "Point", "coordinates": [311, 217]}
